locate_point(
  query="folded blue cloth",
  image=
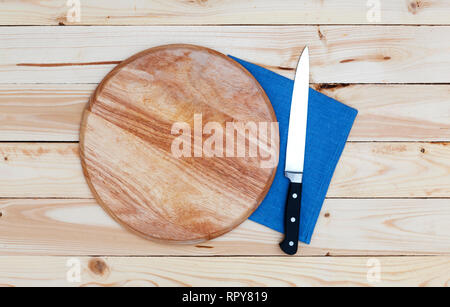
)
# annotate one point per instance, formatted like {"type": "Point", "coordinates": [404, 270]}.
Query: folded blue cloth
{"type": "Point", "coordinates": [329, 124]}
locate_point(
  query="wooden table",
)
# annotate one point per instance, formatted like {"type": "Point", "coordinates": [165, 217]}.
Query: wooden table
{"type": "Point", "coordinates": [388, 206]}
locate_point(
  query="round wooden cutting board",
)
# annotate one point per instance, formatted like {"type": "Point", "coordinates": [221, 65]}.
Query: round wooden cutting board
{"type": "Point", "coordinates": [127, 138]}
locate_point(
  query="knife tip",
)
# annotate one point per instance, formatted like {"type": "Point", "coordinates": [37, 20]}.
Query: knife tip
{"type": "Point", "coordinates": [305, 50]}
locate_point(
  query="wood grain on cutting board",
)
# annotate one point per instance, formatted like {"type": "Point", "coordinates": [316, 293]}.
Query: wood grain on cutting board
{"type": "Point", "coordinates": [127, 144]}
{"type": "Point", "coordinates": [386, 112]}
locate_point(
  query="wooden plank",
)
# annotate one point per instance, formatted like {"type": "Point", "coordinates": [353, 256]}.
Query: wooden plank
{"type": "Point", "coordinates": [365, 170]}
{"type": "Point", "coordinates": [395, 112]}
{"type": "Point", "coordinates": [37, 112]}
{"type": "Point", "coordinates": [345, 227]}
{"type": "Point", "coordinates": [52, 112]}
{"type": "Point", "coordinates": [348, 54]}
{"type": "Point", "coordinates": [125, 12]}
{"type": "Point", "coordinates": [220, 272]}
{"type": "Point", "coordinates": [393, 170]}
{"type": "Point", "coordinates": [155, 192]}
{"type": "Point", "coordinates": [36, 170]}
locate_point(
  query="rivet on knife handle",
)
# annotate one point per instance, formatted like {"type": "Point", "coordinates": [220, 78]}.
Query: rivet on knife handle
{"type": "Point", "coordinates": [292, 219]}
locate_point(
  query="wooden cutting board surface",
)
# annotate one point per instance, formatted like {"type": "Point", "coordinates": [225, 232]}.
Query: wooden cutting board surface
{"type": "Point", "coordinates": [126, 144]}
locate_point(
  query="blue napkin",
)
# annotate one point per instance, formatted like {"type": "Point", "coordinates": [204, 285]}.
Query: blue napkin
{"type": "Point", "coordinates": [329, 124]}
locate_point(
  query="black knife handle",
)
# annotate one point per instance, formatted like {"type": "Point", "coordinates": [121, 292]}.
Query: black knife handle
{"type": "Point", "coordinates": [292, 219]}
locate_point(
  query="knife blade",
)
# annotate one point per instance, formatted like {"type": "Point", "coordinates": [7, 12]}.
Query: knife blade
{"type": "Point", "coordinates": [295, 153]}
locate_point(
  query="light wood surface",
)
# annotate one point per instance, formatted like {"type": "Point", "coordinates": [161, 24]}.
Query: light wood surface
{"type": "Point", "coordinates": [42, 112]}
{"type": "Point", "coordinates": [386, 112]}
{"type": "Point", "coordinates": [346, 227]}
{"type": "Point", "coordinates": [41, 170]}
{"type": "Point", "coordinates": [127, 136]}
{"type": "Point", "coordinates": [391, 169]}
{"type": "Point", "coordinates": [135, 12]}
{"type": "Point", "coordinates": [389, 200]}
{"type": "Point", "coordinates": [220, 272]}
{"type": "Point", "coordinates": [349, 54]}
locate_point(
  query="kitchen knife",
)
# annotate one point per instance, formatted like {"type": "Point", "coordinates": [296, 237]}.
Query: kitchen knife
{"type": "Point", "coordinates": [295, 153]}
